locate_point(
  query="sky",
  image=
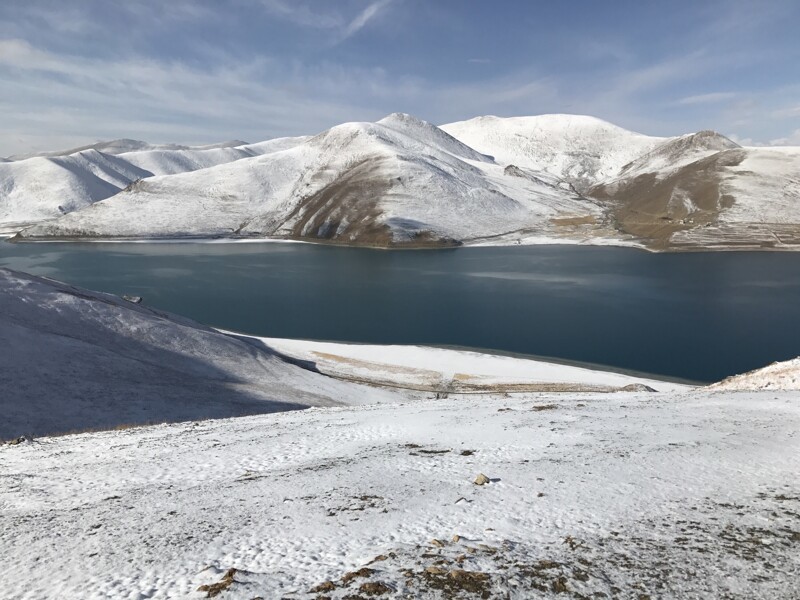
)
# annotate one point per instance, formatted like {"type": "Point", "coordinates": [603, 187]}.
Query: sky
{"type": "Point", "coordinates": [74, 72]}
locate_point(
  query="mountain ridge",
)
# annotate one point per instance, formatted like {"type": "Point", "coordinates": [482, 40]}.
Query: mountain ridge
{"type": "Point", "coordinates": [404, 182]}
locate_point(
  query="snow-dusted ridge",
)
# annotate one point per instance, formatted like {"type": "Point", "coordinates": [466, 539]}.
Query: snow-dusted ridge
{"type": "Point", "coordinates": [403, 182]}
{"type": "Point", "coordinates": [398, 182]}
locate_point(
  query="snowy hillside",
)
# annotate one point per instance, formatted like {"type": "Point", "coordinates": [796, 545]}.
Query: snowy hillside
{"type": "Point", "coordinates": [402, 182]}
{"type": "Point", "coordinates": [580, 149]}
{"type": "Point", "coordinates": [125, 145]}
{"type": "Point", "coordinates": [74, 359]}
{"type": "Point", "coordinates": [395, 182]}
{"type": "Point", "coordinates": [705, 192]}
{"type": "Point", "coordinates": [169, 161]}
{"type": "Point", "coordinates": [45, 187]}
{"type": "Point", "coordinates": [783, 375]}
{"type": "Point", "coordinates": [38, 188]}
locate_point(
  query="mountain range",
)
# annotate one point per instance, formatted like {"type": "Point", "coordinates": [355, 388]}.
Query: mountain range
{"type": "Point", "coordinates": [403, 182]}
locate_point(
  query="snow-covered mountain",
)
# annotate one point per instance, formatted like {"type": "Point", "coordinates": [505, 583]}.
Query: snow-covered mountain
{"type": "Point", "coordinates": [579, 149]}
{"type": "Point", "coordinates": [41, 188]}
{"type": "Point", "coordinates": [404, 182]}
{"type": "Point", "coordinates": [704, 190]}
{"type": "Point", "coordinates": [74, 359]}
{"type": "Point", "coordinates": [396, 182]}
{"type": "Point", "coordinates": [45, 187]}
{"type": "Point", "coordinates": [125, 145]}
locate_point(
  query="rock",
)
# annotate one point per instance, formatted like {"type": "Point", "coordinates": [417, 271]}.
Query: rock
{"type": "Point", "coordinates": [434, 570]}
{"type": "Point", "coordinates": [362, 572]}
{"type": "Point", "coordinates": [456, 538]}
{"type": "Point", "coordinates": [636, 387]}
{"type": "Point", "coordinates": [20, 440]}
{"type": "Point", "coordinates": [325, 586]}
{"type": "Point", "coordinates": [374, 588]}
{"type": "Point", "coordinates": [133, 299]}
{"type": "Point", "coordinates": [481, 479]}
{"type": "Point", "coordinates": [461, 575]}
{"type": "Point", "coordinates": [437, 543]}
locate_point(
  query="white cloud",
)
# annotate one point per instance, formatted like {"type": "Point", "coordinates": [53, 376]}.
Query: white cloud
{"type": "Point", "coordinates": [792, 139]}
{"type": "Point", "coordinates": [364, 17]}
{"type": "Point", "coordinates": [711, 98]}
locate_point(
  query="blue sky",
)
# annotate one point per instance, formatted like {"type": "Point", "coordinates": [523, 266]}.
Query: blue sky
{"type": "Point", "coordinates": [78, 71]}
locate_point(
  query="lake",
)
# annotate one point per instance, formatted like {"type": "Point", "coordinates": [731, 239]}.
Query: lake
{"type": "Point", "coordinates": [697, 316]}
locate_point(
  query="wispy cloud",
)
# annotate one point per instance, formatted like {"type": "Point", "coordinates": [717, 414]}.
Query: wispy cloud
{"type": "Point", "coordinates": [303, 15]}
{"type": "Point", "coordinates": [710, 98]}
{"type": "Point", "coordinates": [323, 17]}
{"type": "Point", "coordinates": [364, 17]}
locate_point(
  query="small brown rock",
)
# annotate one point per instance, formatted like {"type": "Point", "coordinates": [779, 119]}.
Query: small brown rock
{"type": "Point", "coordinates": [437, 543]}
{"type": "Point", "coordinates": [374, 588]}
{"type": "Point", "coordinates": [481, 479]}
{"type": "Point", "coordinates": [325, 586]}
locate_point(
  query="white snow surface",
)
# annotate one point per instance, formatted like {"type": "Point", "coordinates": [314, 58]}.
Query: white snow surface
{"type": "Point", "coordinates": [581, 149]}
{"type": "Point", "coordinates": [680, 495]}
{"type": "Point", "coordinates": [72, 359]}
{"type": "Point", "coordinates": [783, 375]}
{"type": "Point", "coordinates": [444, 368]}
{"type": "Point", "coordinates": [766, 186]}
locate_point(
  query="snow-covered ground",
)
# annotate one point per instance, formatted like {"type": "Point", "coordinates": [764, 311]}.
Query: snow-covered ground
{"type": "Point", "coordinates": [446, 370]}
{"type": "Point", "coordinates": [783, 375]}
{"type": "Point", "coordinates": [680, 495]}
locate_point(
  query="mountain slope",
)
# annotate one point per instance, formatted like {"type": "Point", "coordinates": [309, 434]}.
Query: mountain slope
{"type": "Point", "coordinates": [125, 145]}
{"type": "Point", "coordinates": [580, 149]}
{"type": "Point", "coordinates": [75, 359]}
{"type": "Point", "coordinates": [45, 187]}
{"type": "Point", "coordinates": [705, 191]}
{"type": "Point", "coordinates": [396, 182]}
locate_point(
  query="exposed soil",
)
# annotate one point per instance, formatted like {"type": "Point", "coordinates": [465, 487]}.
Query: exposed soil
{"type": "Point", "coordinates": [347, 211]}
{"type": "Point", "coordinates": [652, 209]}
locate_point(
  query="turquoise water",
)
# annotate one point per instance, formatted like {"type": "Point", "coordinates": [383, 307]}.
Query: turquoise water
{"type": "Point", "coordinates": [699, 316]}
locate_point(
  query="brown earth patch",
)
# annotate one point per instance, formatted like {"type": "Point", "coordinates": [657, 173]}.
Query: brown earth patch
{"type": "Point", "coordinates": [347, 211]}
{"type": "Point", "coordinates": [646, 207]}
{"type": "Point", "coordinates": [567, 221]}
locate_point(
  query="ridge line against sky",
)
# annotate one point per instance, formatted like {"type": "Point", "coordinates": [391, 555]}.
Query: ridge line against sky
{"type": "Point", "coordinates": [75, 72]}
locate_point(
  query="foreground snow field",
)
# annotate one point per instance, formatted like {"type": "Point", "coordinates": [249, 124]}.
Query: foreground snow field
{"type": "Point", "coordinates": [630, 495]}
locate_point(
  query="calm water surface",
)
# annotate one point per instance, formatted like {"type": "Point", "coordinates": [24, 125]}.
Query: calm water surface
{"type": "Point", "coordinates": [698, 316]}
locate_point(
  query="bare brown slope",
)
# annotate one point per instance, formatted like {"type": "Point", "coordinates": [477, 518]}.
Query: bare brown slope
{"type": "Point", "coordinates": [347, 211]}
{"type": "Point", "coordinates": [653, 209]}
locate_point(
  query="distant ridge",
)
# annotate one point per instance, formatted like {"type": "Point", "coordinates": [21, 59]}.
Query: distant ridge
{"type": "Point", "coordinates": [403, 182]}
